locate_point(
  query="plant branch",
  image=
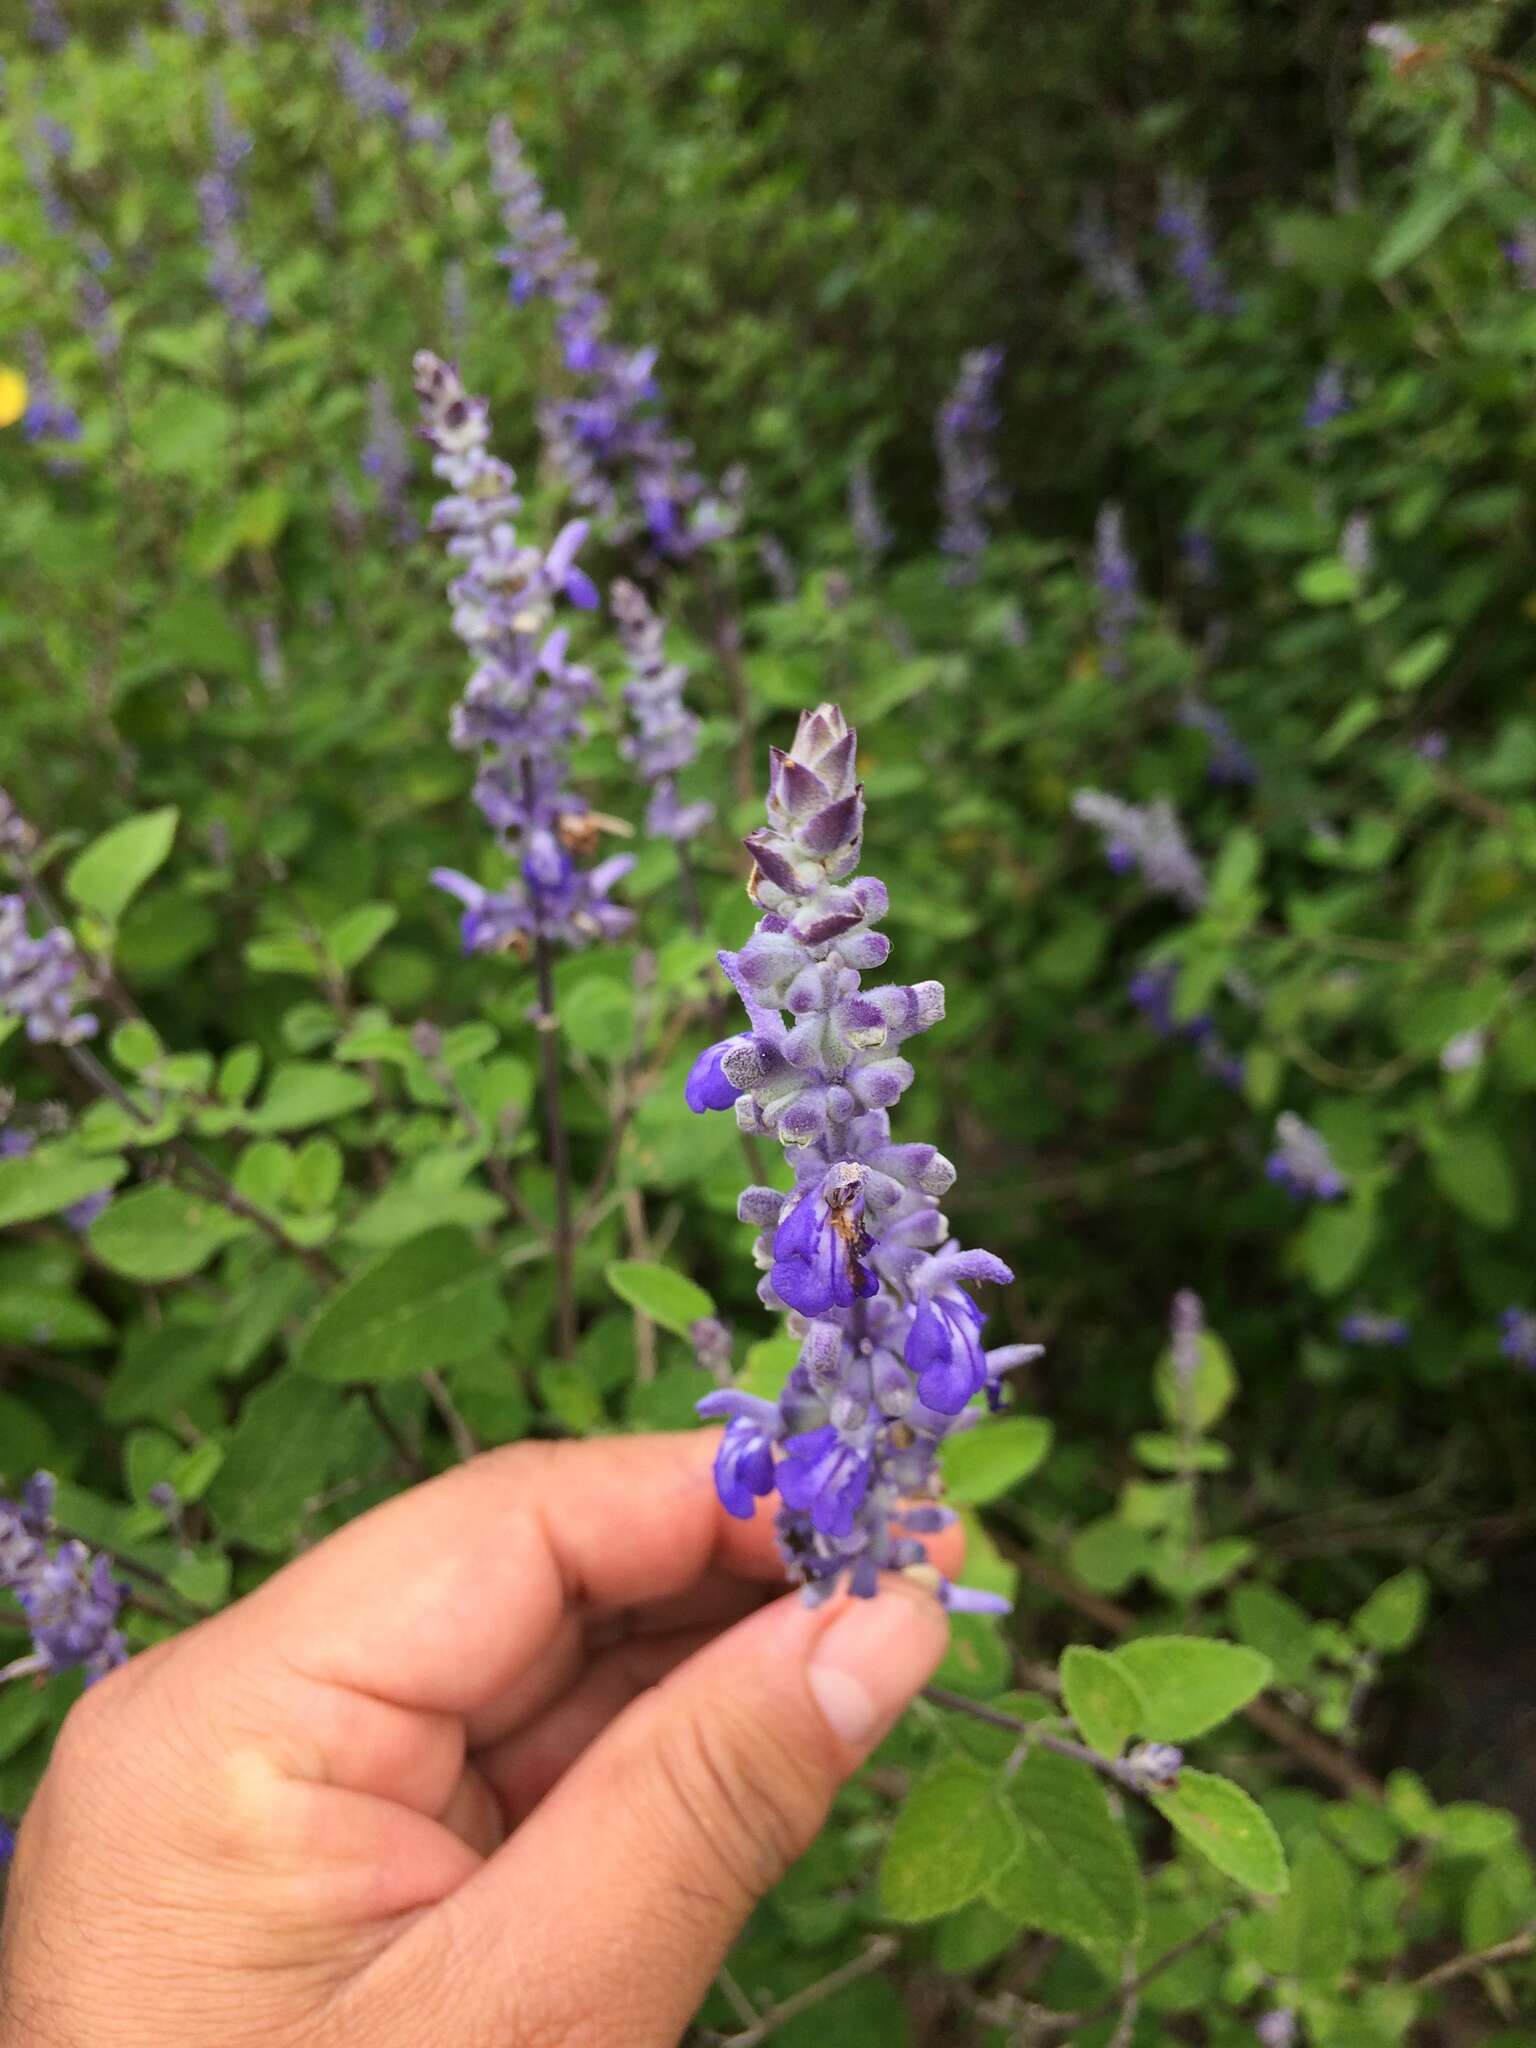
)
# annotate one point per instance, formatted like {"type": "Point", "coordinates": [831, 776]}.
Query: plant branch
{"type": "Point", "coordinates": [875, 1957]}
{"type": "Point", "coordinates": [1509, 1951]}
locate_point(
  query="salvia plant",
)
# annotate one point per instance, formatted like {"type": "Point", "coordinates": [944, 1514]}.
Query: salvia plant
{"type": "Point", "coordinates": [387, 1070]}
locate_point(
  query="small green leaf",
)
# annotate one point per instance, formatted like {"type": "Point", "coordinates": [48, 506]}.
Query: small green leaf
{"type": "Point", "coordinates": [1223, 1823]}
{"type": "Point", "coordinates": [302, 1093]}
{"type": "Point", "coordinates": [1201, 1401]}
{"type": "Point", "coordinates": [1335, 1242]}
{"type": "Point", "coordinates": [422, 1304]}
{"type": "Point", "coordinates": [52, 1178]}
{"type": "Point", "coordinates": [1191, 1684]}
{"type": "Point", "coordinates": [1102, 1697]}
{"type": "Point", "coordinates": [951, 1838]}
{"type": "Point", "coordinates": [107, 876]}
{"type": "Point", "coordinates": [278, 1458]}
{"type": "Point", "coordinates": [669, 1298]}
{"type": "Point", "coordinates": [162, 1233]}
{"type": "Point", "coordinates": [1160, 1451]}
{"type": "Point", "coordinates": [1468, 1828]}
{"type": "Point", "coordinates": [1275, 1626]}
{"type": "Point", "coordinates": [135, 1046]}
{"type": "Point", "coordinates": [1470, 1163]}
{"type": "Point", "coordinates": [352, 938]}
{"type": "Point", "coordinates": [1108, 1554]}
{"type": "Point", "coordinates": [1394, 1614]}
{"type": "Point", "coordinates": [979, 1464]}
{"type": "Point", "coordinates": [1327, 581]}
{"type": "Point", "coordinates": [1076, 1873]}
{"type": "Point", "coordinates": [1416, 664]}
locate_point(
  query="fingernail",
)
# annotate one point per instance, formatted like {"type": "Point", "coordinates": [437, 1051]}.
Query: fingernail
{"type": "Point", "coordinates": [872, 1659]}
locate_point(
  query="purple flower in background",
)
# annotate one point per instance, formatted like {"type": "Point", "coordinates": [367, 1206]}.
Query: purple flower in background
{"type": "Point", "coordinates": [1357, 544]}
{"type": "Point", "coordinates": [190, 20]}
{"type": "Point", "coordinates": [17, 837]}
{"type": "Point", "coordinates": [52, 144]}
{"type": "Point", "coordinates": [871, 532]}
{"type": "Point", "coordinates": [1401, 47]}
{"type": "Point", "coordinates": [1432, 746]}
{"type": "Point", "coordinates": [857, 1253]}
{"type": "Point", "coordinates": [1521, 251]}
{"type": "Point", "coordinates": [711, 1342]}
{"type": "Point", "coordinates": [1301, 1162]}
{"type": "Point", "coordinates": [1459, 1055]}
{"type": "Point", "coordinates": [386, 458]}
{"type": "Point", "coordinates": [1329, 399]}
{"type": "Point", "coordinates": [1518, 1338]}
{"type": "Point", "coordinates": [1105, 260]}
{"type": "Point", "coordinates": [386, 28]}
{"type": "Point", "coordinates": [665, 736]}
{"type": "Point", "coordinates": [42, 981]}
{"type": "Point", "coordinates": [68, 1597]}
{"type": "Point", "coordinates": [236, 25]}
{"type": "Point", "coordinates": [610, 440]}
{"type": "Point", "coordinates": [965, 433]}
{"type": "Point", "coordinates": [778, 567]}
{"type": "Point", "coordinates": [1186, 1332]}
{"type": "Point", "coordinates": [456, 307]}
{"type": "Point", "coordinates": [49, 30]}
{"type": "Point", "coordinates": [1199, 553]}
{"type": "Point", "coordinates": [235, 283]}
{"type": "Point", "coordinates": [1373, 1331]}
{"type": "Point", "coordinates": [96, 317]}
{"type": "Point", "coordinates": [1152, 989]}
{"type": "Point", "coordinates": [1154, 1766]}
{"type": "Point", "coordinates": [82, 1214]}
{"type": "Point", "coordinates": [1277, 2029]}
{"type": "Point", "coordinates": [525, 703]}
{"type": "Point", "coordinates": [47, 417]}
{"type": "Point", "coordinates": [1147, 838]}
{"type": "Point", "coordinates": [1231, 765]}
{"type": "Point", "coordinates": [379, 98]}
{"type": "Point", "coordinates": [1181, 219]}
{"type": "Point", "coordinates": [1114, 574]}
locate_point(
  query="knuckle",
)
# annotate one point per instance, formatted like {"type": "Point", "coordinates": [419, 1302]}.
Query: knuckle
{"type": "Point", "coordinates": [750, 1803]}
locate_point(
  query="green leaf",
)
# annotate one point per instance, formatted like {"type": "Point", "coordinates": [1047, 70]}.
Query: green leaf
{"type": "Point", "coordinates": [50, 1179]}
{"type": "Point", "coordinates": [301, 1093]}
{"type": "Point", "coordinates": [1416, 664]}
{"type": "Point", "coordinates": [135, 1046]}
{"type": "Point", "coordinates": [1102, 1697]}
{"type": "Point", "coordinates": [1191, 1684]}
{"type": "Point", "coordinates": [51, 1317]}
{"type": "Point", "coordinates": [112, 870]}
{"type": "Point", "coordinates": [1223, 1823]}
{"type": "Point", "coordinates": [1275, 1626]}
{"type": "Point", "coordinates": [159, 1372]}
{"type": "Point", "coordinates": [669, 1298]}
{"type": "Point", "coordinates": [1076, 1873]}
{"type": "Point", "coordinates": [1394, 1614]}
{"type": "Point", "coordinates": [979, 1464]}
{"type": "Point", "coordinates": [1335, 1242]}
{"type": "Point", "coordinates": [1434, 205]}
{"type": "Point", "coordinates": [1470, 1163]}
{"type": "Point", "coordinates": [950, 1838]}
{"type": "Point", "coordinates": [1205, 1398]}
{"type": "Point", "coordinates": [1327, 581]}
{"type": "Point", "coordinates": [977, 1662]}
{"type": "Point", "coordinates": [238, 1072]}
{"type": "Point", "coordinates": [423, 1304]}
{"type": "Point", "coordinates": [1108, 1554]}
{"type": "Point", "coordinates": [407, 1210]}
{"type": "Point", "coordinates": [162, 1233]}
{"type": "Point", "coordinates": [1311, 1933]}
{"type": "Point", "coordinates": [352, 938]}
{"type": "Point", "coordinates": [278, 1458]}
{"type": "Point", "coordinates": [1468, 1828]}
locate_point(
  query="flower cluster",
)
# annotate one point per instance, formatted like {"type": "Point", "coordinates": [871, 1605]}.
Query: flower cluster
{"type": "Point", "coordinates": [379, 98]}
{"type": "Point", "coordinates": [1466, 1050]}
{"type": "Point", "coordinates": [42, 981]}
{"type": "Point", "coordinates": [1329, 399]}
{"type": "Point", "coordinates": [1114, 572]}
{"type": "Point", "coordinates": [1186, 1332]}
{"type": "Point", "coordinates": [69, 1598]}
{"type": "Point", "coordinates": [237, 284]}
{"type": "Point", "coordinates": [964, 434]}
{"type": "Point", "coordinates": [1230, 764]}
{"type": "Point", "coordinates": [1301, 1162]}
{"type": "Point", "coordinates": [1152, 990]}
{"type": "Point", "coordinates": [1372, 1331]}
{"type": "Point", "coordinates": [1357, 544]}
{"type": "Point", "coordinates": [525, 700]}
{"type": "Point", "coordinates": [610, 439]}
{"type": "Point", "coordinates": [1104, 259]}
{"type": "Point", "coordinates": [1520, 249]}
{"type": "Point", "coordinates": [1518, 1336]}
{"type": "Point", "coordinates": [858, 1253]}
{"type": "Point", "coordinates": [871, 530]}
{"type": "Point", "coordinates": [53, 144]}
{"type": "Point", "coordinates": [1148, 838]}
{"type": "Point", "coordinates": [666, 733]}
{"type": "Point", "coordinates": [49, 30]}
{"type": "Point", "coordinates": [1181, 218]}
{"type": "Point", "coordinates": [387, 460]}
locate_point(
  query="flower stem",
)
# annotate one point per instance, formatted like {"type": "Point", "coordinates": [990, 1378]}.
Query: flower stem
{"type": "Point", "coordinates": [557, 1149]}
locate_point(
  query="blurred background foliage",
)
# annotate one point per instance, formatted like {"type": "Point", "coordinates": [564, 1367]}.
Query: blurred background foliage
{"type": "Point", "coordinates": [218, 597]}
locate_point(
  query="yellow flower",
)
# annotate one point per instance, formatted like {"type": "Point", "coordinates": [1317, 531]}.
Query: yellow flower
{"type": "Point", "coordinates": [13, 396]}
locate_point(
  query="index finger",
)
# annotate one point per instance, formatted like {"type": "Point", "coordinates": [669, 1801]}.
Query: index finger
{"type": "Point", "coordinates": [438, 1600]}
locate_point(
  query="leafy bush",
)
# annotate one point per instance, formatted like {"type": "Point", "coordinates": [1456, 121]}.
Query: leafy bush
{"type": "Point", "coordinates": [327, 1202]}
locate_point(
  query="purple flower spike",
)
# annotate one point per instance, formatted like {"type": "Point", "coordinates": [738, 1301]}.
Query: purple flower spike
{"type": "Point", "coordinates": [857, 1252]}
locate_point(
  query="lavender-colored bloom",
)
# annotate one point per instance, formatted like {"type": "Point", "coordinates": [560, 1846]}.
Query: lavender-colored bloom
{"type": "Point", "coordinates": [49, 30]}
{"type": "Point", "coordinates": [711, 1342]}
{"type": "Point", "coordinates": [1148, 838]}
{"type": "Point", "coordinates": [237, 26]}
{"type": "Point", "coordinates": [611, 440]}
{"type": "Point", "coordinates": [95, 303]}
{"type": "Point", "coordinates": [524, 705]}
{"type": "Point", "coordinates": [1518, 1338]}
{"type": "Point", "coordinates": [1230, 765]}
{"type": "Point", "coordinates": [1357, 544]}
{"type": "Point", "coordinates": [7, 1843]}
{"type": "Point", "coordinates": [871, 530]}
{"type": "Point", "coordinates": [379, 97]}
{"type": "Point", "coordinates": [1182, 220]}
{"type": "Point", "coordinates": [17, 837]}
{"type": "Point", "coordinates": [1329, 399]}
{"type": "Point", "coordinates": [456, 307]}
{"type": "Point", "coordinates": [190, 20]}
{"type": "Point", "coordinates": [965, 433]}
{"type": "Point", "coordinates": [1154, 1766]}
{"type": "Point", "coordinates": [47, 417]}
{"type": "Point", "coordinates": [858, 1252]}
{"type": "Point", "coordinates": [1186, 1329]}
{"type": "Point", "coordinates": [1521, 251]}
{"type": "Point", "coordinates": [51, 145]}
{"type": "Point", "coordinates": [1301, 1162]}
{"type": "Point", "coordinates": [237, 284]}
{"type": "Point", "coordinates": [1114, 573]}
{"type": "Point", "coordinates": [778, 568]}
{"type": "Point", "coordinates": [1199, 553]}
{"type": "Point", "coordinates": [231, 143]}
{"type": "Point", "coordinates": [41, 980]}
{"type": "Point", "coordinates": [1277, 2029]}
{"type": "Point", "coordinates": [82, 1214]}
{"type": "Point", "coordinates": [1105, 259]}
{"type": "Point", "coordinates": [665, 739]}
{"type": "Point", "coordinates": [1401, 47]}
{"type": "Point", "coordinates": [1432, 746]}
{"type": "Point", "coordinates": [1373, 1331]}
{"type": "Point", "coordinates": [386, 28]}
{"type": "Point", "coordinates": [386, 458]}
{"type": "Point", "coordinates": [1463, 1052]}
{"type": "Point", "coordinates": [69, 1598]}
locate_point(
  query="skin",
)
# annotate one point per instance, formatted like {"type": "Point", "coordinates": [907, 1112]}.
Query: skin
{"type": "Point", "coordinates": [504, 1764]}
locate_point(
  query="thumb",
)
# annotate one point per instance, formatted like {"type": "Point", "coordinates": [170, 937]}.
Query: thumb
{"type": "Point", "coordinates": [633, 1877]}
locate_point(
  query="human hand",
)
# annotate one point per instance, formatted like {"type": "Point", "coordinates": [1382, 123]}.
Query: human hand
{"type": "Point", "coordinates": [504, 1764]}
